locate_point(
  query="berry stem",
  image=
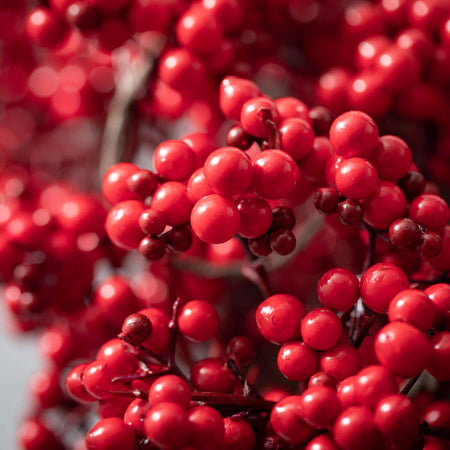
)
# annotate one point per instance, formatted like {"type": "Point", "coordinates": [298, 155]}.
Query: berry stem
{"type": "Point", "coordinates": [248, 389]}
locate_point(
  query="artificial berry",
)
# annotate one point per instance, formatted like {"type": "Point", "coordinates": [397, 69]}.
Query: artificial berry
{"type": "Point", "coordinates": [198, 320]}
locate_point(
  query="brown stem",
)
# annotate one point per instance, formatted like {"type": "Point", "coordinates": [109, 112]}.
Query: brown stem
{"type": "Point", "coordinates": [409, 385]}
{"type": "Point", "coordinates": [248, 389]}
{"type": "Point", "coordinates": [363, 332]}
{"type": "Point", "coordinates": [219, 399]}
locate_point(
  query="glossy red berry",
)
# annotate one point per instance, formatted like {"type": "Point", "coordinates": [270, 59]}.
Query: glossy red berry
{"type": "Point", "coordinates": [166, 425]}
{"type": "Point", "coordinates": [256, 216]}
{"type": "Point", "coordinates": [170, 388]}
{"type": "Point", "coordinates": [44, 27]}
{"type": "Point", "coordinates": [321, 329]}
{"type": "Point", "coordinates": [198, 187]}
{"type": "Point", "coordinates": [75, 387]}
{"type": "Point", "coordinates": [355, 428]}
{"type": "Point", "coordinates": [322, 379]}
{"type": "Point", "coordinates": [404, 233]}
{"type": "Point", "coordinates": [241, 349]}
{"type": "Point", "coordinates": [212, 375]}
{"type": "Point", "coordinates": [338, 289]}
{"type": "Point", "coordinates": [278, 318]}
{"type": "Point", "coordinates": [350, 212]}
{"type": "Point", "coordinates": [322, 442]}
{"type": "Point", "coordinates": [356, 178]}
{"type": "Point", "coordinates": [152, 222]}
{"type": "Point", "coordinates": [215, 219]}
{"type": "Point", "coordinates": [33, 434]}
{"type": "Point", "coordinates": [346, 392]}
{"type": "Point", "coordinates": [114, 186]}
{"type": "Point", "coordinates": [385, 205]}
{"type": "Point", "coordinates": [174, 160]}
{"type": "Point", "coordinates": [256, 115]}
{"type": "Point", "coordinates": [233, 93]}
{"type": "Point", "coordinates": [403, 349]}
{"type": "Point", "coordinates": [380, 283]}
{"type": "Point", "coordinates": [372, 384]}
{"type": "Point", "coordinates": [172, 200]}
{"type": "Point", "coordinates": [122, 224]}
{"type": "Point", "coordinates": [320, 406]}
{"type": "Point", "coordinates": [282, 241]}
{"type": "Point", "coordinates": [291, 107]}
{"type": "Point", "coordinates": [238, 435]}
{"type": "Point", "coordinates": [397, 418]}
{"type": "Point", "coordinates": [297, 137]}
{"type": "Point", "coordinates": [109, 434]}
{"type": "Point", "coordinates": [326, 200]}
{"type": "Point", "coordinates": [439, 365]}
{"type": "Point", "coordinates": [391, 158]}
{"type": "Point", "coordinates": [135, 415]}
{"type": "Point", "coordinates": [158, 341]}
{"type": "Point", "coordinates": [228, 171]}
{"type": "Point", "coordinates": [354, 133]}
{"type": "Point", "coordinates": [341, 361]}
{"type": "Point", "coordinates": [198, 320]}
{"type": "Point", "coordinates": [137, 328]}
{"type": "Point", "coordinates": [286, 420]}
{"type": "Point", "coordinates": [439, 294]}
{"type": "Point", "coordinates": [207, 427]}
{"type": "Point", "coordinates": [430, 211]}
{"type": "Point", "coordinates": [296, 361]}
{"type": "Point", "coordinates": [275, 174]}
{"type": "Point", "coordinates": [152, 248]}
{"type": "Point", "coordinates": [414, 307]}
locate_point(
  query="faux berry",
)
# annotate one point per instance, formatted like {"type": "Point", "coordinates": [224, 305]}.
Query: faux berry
{"type": "Point", "coordinates": [152, 222]}
{"type": "Point", "coordinates": [74, 385]}
{"type": "Point", "coordinates": [122, 224]}
{"type": "Point", "coordinates": [256, 216]}
{"type": "Point", "coordinates": [286, 420]}
{"type": "Point", "coordinates": [404, 233]}
{"type": "Point", "coordinates": [338, 289]}
{"type": "Point", "coordinates": [198, 320]}
{"type": "Point", "coordinates": [237, 137]}
{"type": "Point", "coordinates": [207, 427]}
{"type": "Point", "coordinates": [212, 375]}
{"type": "Point", "coordinates": [320, 406]}
{"type": "Point", "coordinates": [354, 133]}
{"type": "Point", "coordinates": [152, 248]}
{"type": "Point", "coordinates": [238, 435]}
{"type": "Point", "coordinates": [278, 318]}
{"type": "Point", "coordinates": [110, 434]}
{"type": "Point", "coordinates": [341, 361]}
{"type": "Point", "coordinates": [439, 294]}
{"type": "Point", "coordinates": [166, 425]}
{"type": "Point", "coordinates": [137, 328]}
{"type": "Point", "coordinates": [228, 171]}
{"type": "Point", "coordinates": [143, 183]}
{"type": "Point", "coordinates": [412, 184]}
{"type": "Point", "coordinates": [297, 137]}
{"type": "Point", "coordinates": [198, 187]}
{"type": "Point", "coordinates": [439, 365]}
{"type": "Point", "coordinates": [296, 361]}
{"type": "Point", "coordinates": [170, 388]}
{"type": "Point", "coordinates": [282, 217]}
{"type": "Point", "coordinates": [114, 186]}
{"type": "Point", "coordinates": [282, 241]}
{"type": "Point", "coordinates": [45, 28]}
{"type": "Point", "coordinates": [174, 160]}
{"type": "Point", "coordinates": [350, 212]}
{"type": "Point", "coordinates": [241, 349]}
{"type": "Point", "coordinates": [356, 178]}
{"type": "Point", "coordinates": [380, 283]}
{"type": "Point", "coordinates": [403, 349]}
{"type": "Point", "coordinates": [215, 219]}
{"type": "Point", "coordinates": [275, 174]}
{"type": "Point", "coordinates": [258, 117]}
{"type": "Point", "coordinates": [430, 211]}
{"type": "Point", "coordinates": [326, 200]}
{"type": "Point", "coordinates": [429, 244]}
{"type": "Point", "coordinates": [414, 307]}
{"type": "Point", "coordinates": [321, 329]}
{"type": "Point", "coordinates": [355, 428]}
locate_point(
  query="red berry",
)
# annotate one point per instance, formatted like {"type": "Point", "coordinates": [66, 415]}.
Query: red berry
{"type": "Point", "coordinates": [320, 406]}
{"type": "Point", "coordinates": [282, 241]}
{"type": "Point", "coordinates": [391, 158]}
{"type": "Point", "coordinates": [207, 427]}
{"type": "Point", "coordinates": [75, 387]}
{"type": "Point", "coordinates": [114, 186]}
{"type": "Point", "coordinates": [198, 320]}
{"type": "Point", "coordinates": [414, 307]}
{"type": "Point", "coordinates": [152, 222]}
{"type": "Point", "coordinates": [403, 349]}
{"type": "Point", "coordinates": [198, 187]}
{"type": "Point", "coordinates": [158, 341]}
{"type": "Point", "coordinates": [275, 174]}
{"type": "Point", "coordinates": [326, 200]}
{"type": "Point", "coordinates": [296, 361]}
{"type": "Point", "coordinates": [356, 178]}
{"type": "Point", "coordinates": [286, 420]}
{"type": "Point", "coordinates": [404, 233]}
{"type": "Point", "coordinates": [380, 283]}
{"type": "Point", "coordinates": [341, 361]}
{"type": "Point", "coordinates": [111, 433]}
{"type": "Point", "coordinates": [241, 349]}
{"type": "Point", "coordinates": [354, 133]}
{"type": "Point", "coordinates": [45, 28]}
{"type": "Point", "coordinates": [238, 435]}
{"type": "Point", "coordinates": [355, 429]}
{"type": "Point", "coordinates": [256, 216]}
{"type": "Point", "coordinates": [439, 365]}
{"type": "Point", "coordinates": [338, 289]}
{"type": "Point", "coordinates": [350, 212]}
{"type": "Point", "coordinates": [228, 171]}
{"type": "Point", "coordinates": [439, 294]}
{"type": "Point", "coordinates": [278, 318]}
{"type": "Point", "coordinates": [430, 211]}
{"type": "Point", "coordinates": [166, 425]}
{"type": "Point", "coordinates": [255, 115]}
{"type": "Point", "coordinates": [372, 384]}
{"type": "Point", "coordinates": [212, 375]}
{"type": "Point", "coordinates": [170, 388]}
{"type": "Point", "coordinates": [152, 248]}
{"type": "Point", "coordinates": [122, 224]}
{"type": "Point", "coordinates": [172, 200]}
{"type": "Point", "coordinates": [215, 219]}
{"type": "Point", "coordinates": [321, 329]}
{"type": "Point", "coordinates": [297, 137]}
{"type": "Point", "coordinates": [174, 160]}
{"type": "Point", "coordinates": [137, 328]}
{"type": "Point", "coordinates": [397, 418]}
